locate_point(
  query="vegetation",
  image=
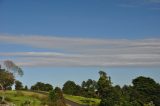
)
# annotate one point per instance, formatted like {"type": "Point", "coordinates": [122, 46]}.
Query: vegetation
{"type": "Point", "coordinates": [6, 79]}
{"type": "Point", "coordinates": [18, 85]}
{"type": "Point", "coordinates": [21, 98]}
{"type": "Point", "coordinates": [7, 76]}
{"type": "Point", "coordinates": [88, 88]}
{"type": "Point", "coordinates": [56, 98]}
{"type": "Point", "coordinates": [83, 100]}
{"type": "Point", "coordinates": [42, 87]}
{"type": "Point", "coordinates": [144, 91]}
{"type": "Point", "coordinates": [70, 88]}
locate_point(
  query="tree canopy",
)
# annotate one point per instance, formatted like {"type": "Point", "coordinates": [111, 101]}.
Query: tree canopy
{"type": "Point", "coordinates": [12, 67]}
{"type": "Point", "coordinates": [18, 85]}
{"type": "Point", "coordinates": [69, 87]}
{"type": "Point", "coordinates": [6, 79]}
{"type": "Point", "coordinates": [40, 86]}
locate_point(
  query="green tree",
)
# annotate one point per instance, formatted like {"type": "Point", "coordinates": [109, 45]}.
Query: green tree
{"type": "Point", "coordinates": [147, 90]}
{"type": "Point", "coordinates": [18, 85]}
{"type": "Point", "coordinates": [89, 88]}
{"type": "Point", "coordinates": [104, 84]}
{"type": "Point", "coordinates": [12, 69]}
{"type": "Point", "coordinates": [6, 79]}
{"type": "Point", "coordinates": [69, 87]}
{"type": "Point", "coordinates": [109, 96]}
{"type": "Point", "coordinates": [26, 87]}
{"type": "Point", "coordinates": [40, 86]}
{"type": "Point", "coordinates": [48, 87]}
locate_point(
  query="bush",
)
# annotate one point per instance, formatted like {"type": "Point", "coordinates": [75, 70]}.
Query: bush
{"type": "Point", "coordinates": [56, 98]}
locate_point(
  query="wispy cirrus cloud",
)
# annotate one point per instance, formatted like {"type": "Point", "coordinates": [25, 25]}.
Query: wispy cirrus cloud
{"type": "Point", "coordinates": [80, 52]}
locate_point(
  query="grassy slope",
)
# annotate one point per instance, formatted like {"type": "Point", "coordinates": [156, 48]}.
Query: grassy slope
{"type": "Point", "coordinates": [82, 100]}
{"type": "Point", "coordinates": [21, 97]}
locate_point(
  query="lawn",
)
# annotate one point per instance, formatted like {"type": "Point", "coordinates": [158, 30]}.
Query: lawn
{"type": "Point", "coordinates": [19, 98]}
{"type": "Point", "coordinates": [83, 100]}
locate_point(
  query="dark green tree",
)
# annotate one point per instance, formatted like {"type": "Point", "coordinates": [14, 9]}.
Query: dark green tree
{"type": "Point", "coordinates": [104, 84]}
{"type": "Point", "coordinates": [108, 95]}
{"type": "Point", "coordinates": [18, 85]}
{"type": "Point", "coordinates": [26, 87]}
{"type": "Point", "coordinates": [39, 86]}
{"type": "Point", "coordinates": [146, 90]}
{"type": "Point", "coordinates": [89, 88]}
{"type": "Point", "coordinates": [6, 79]}
{"type": "Point", "coordinates": [48, 87]}
{"type": "Point", "coordinates": [69, 87]}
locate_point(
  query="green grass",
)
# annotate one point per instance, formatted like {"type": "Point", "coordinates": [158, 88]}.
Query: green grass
{"type": "Point", "coordinates": [37, 99]}
{"type": "Point", "coordinates": [83, 100]}
{"type": "Point", "coordinates": [21, 97]}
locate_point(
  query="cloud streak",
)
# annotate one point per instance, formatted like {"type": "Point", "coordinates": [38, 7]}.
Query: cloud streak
{"type": "Point", "coordinates": [79, 52]}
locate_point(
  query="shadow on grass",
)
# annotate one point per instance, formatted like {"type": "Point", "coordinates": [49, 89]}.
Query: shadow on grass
{"type": "Point", "coordinates": [88, 101]}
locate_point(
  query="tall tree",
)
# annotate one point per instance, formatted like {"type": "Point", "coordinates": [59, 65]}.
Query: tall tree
{"type": "Point", "coordinates": [13, 69]}
{"type": "Point", "coordinates": [6, 79]}
{"type": "Point", "coordinates": [108, 95]}
{"type": "Point", "coordinates": [104, 84]}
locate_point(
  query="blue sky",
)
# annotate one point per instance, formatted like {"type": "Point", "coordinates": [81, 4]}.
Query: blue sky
{"type": "Point", "coordinates": [53, 38]}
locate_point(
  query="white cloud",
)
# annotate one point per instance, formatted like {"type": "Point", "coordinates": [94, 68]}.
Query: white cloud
{"type": "Point", "coordinates": [84, 52]}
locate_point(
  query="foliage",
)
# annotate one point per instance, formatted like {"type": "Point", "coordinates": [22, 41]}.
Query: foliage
{"type": "Point", "coordinates": [12, 67]}
{"type": "Point", "coordinates": [147, 90]}
{"type": "Point", "coordinates": [6, 79]}
{"type": "Point", "coordinates": [42, 87]}
{"type": "Point", "coordinates": [89, 88]}
{"type": "Point", "coordinates": [69, 87]}
{"type": "Point", "coordinates": [26, 87]}
{"type": "Point", "coordinates": [56, 98]}
{"type": "Point", "coordinates": [21, 98]}
{"type": "Point", "coordinates": [83, 100]}
{"type": "Point", "coordinates": [18, 85]}
{"type": "Point", "coordinates": [107, 94]}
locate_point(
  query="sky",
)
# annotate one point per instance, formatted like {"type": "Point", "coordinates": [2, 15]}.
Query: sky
{"type": "Point", "coordinates": [59, 40]}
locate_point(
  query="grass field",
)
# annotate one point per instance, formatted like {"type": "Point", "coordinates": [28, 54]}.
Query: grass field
{"type": "Point", "coordinates": [20, 98]}
{"type": "Point", "coordinates": [83, 100]}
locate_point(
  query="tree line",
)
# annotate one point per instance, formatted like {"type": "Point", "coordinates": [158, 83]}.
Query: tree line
{"type": "Point", "coordinates": [144, 91]}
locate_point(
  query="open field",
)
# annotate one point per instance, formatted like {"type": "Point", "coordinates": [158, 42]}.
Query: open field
{"type": "Point", "coordinates": [20, 98]}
